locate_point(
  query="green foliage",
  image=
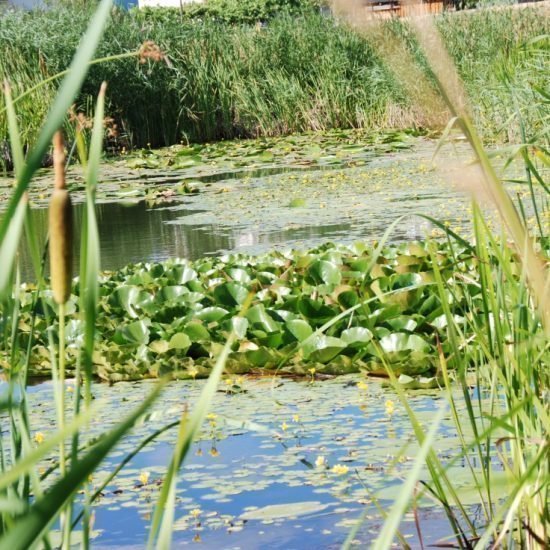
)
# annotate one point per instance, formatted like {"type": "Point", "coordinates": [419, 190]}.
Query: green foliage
{"type": "Point", "coordinates": [172, 317]}
{"type": "Point", "coordinates": [301, 72]}
{"type": "Point", "coordinates": [248, 11]}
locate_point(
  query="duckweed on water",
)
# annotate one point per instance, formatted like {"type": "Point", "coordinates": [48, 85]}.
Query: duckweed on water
{"type": "Point", "coordinates": [160, 176]}
{"type": "Point", "coordinates": [314, 478]}
{"type": "Point", "coordinates": [173, 317]}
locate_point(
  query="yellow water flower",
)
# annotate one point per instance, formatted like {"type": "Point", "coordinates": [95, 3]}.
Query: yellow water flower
{"type": "Point", "coordinates": [38, 437]}
{"type": "Point", "coordinates": [211, 416]}
{"type": "Point", "coordinates": [362, 386]}
{"type": "Point", "coordinates": [390, 407]}
{"type": "Point", "coordinates": [284, 426]}
{"type": "Point", "coordinates": [296, 418]}
{"type": "Point", "coordinates": [195, 512]}
{"type": "Point", "coordinates": [144, 477]}
{"type": "Point", "coordinates": [340, 469]}
{"type": "Point", "coordinates": [214, 452]}
{"type": "Point", "coordinates": [320, 462]}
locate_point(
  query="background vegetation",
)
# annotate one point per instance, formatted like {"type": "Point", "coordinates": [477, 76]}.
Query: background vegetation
{"type": "Point", "coordinates": [301, 72]}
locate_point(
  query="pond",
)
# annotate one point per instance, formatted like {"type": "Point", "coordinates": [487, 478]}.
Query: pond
{"type": "Point", "coordinates": [150, 214]}
{"type": "Point", "coordinates": [281, 464]}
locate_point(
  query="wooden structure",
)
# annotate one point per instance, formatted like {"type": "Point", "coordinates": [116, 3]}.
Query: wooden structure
{"type": "Point", "coordinates": [385, 9]}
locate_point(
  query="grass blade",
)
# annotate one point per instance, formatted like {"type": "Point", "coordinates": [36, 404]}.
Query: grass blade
{"type": "Point", "coordinates": [389, 530]}
{"type": "Point", "coordinates": [67, 92]}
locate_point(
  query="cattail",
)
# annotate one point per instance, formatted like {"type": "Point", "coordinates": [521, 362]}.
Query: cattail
{"type": "Point", "coordinates": [60, 227]}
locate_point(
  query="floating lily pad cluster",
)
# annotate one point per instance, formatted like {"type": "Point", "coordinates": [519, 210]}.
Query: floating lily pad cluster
{"type": "Point", "coordinates": [174, 317]}
{"type": "Point", "coordinates": [159, 176]}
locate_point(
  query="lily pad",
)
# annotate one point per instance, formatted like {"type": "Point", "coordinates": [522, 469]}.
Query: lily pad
{"type": "Point", "coordinates": [282, 511]}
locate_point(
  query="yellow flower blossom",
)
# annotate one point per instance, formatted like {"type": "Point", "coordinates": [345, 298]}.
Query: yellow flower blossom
{"type": "Point", "coordinates": [38, 437]}
{"type": "Point", "coordinates": [340, 469]}
{"type": "Point", "coordinates": [195, 512]}
{"type": "Point", "coordinates": [144, 477]}
{"type": "Point", "coordinates": [320, 462]}
{"type": "Point", "coordinates": [214, 452]}
{"type": "Point", "coordinates": [284, 426]}
{"type": "Point", "coordinates": [390, 407]}
{"type": "Point", "coordinates": [296, 418]}
{"type": "Point", "coordinates": [362, 385]}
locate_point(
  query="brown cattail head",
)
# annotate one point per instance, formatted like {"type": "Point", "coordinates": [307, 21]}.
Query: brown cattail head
{"type": "Point", "coordinates": [60, 228]}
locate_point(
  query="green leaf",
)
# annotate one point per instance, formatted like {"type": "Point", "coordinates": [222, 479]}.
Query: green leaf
{"type": "Point", "coordinates": [239, 326]}
{"type": "Point", "coordinates": [134, 333]}
{"type": "Point", "coordinates": [325, 272]}
{"type": "Point", "coordinates": [356, 337]}
{"type": "Point", "coordinates": [181, 274]}
{"type": "Point", "coordinates": [401, 341]}
{"type": "Point", "coordinates": [129, 298]}
{"type": "Point", "coordinates": [299, 328]}
{"type": "Point", "coordinates": [230, 294]}
{"type": "Point", "coordinates": [210, 314]}
{"type": "Point", "coordinates": [180, 341]}
{"type": "Point", "coordinates": [196, 331]}
{"type": "Point", "coordinates": [321, 348]}
{"type": "Point", "coordinates": [258, 316]}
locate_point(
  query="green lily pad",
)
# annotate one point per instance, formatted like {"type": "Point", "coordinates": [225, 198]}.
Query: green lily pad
{"type": "Point", "coordinates": [281, 511]}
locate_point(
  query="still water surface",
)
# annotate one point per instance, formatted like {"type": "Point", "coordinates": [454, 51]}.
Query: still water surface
{"type": "Point", "coordinates": [262, 474]}
{"type": "Point", "coordinates": [253, 212]}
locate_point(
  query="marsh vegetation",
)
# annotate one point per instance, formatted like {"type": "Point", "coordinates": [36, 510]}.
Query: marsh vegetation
{"type": "Point", "coordinates": [389, 388]}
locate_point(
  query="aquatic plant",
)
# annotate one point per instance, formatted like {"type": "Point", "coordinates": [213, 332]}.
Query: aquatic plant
{"type": "Point", "coordinates": [33, 502]}
{"type": "Point", "coordinates": [172, 317]}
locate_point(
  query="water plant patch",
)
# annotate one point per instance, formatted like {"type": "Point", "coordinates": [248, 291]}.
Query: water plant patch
{"type": "Point", "coordinates": [331, 310]}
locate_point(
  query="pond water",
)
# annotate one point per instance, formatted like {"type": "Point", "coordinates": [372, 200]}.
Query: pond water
{"type": "Point", "coordinates": [282, 464]}
{"type": "Point", "coordinates": [262, 474]}
{"type": "Point", "coordinates": [253, 210]}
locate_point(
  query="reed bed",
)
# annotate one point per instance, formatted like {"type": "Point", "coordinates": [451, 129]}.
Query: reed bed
{"type": "Point", "coordinates": [301, 72]}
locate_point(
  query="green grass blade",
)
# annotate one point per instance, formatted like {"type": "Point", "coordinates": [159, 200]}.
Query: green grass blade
{"type": "Point", "coordinates": [22, 467]}
{"type": "Point", "coordinates": [389, 530]}
{"type": "Point", "coordinates": [8, 247]}
{"type": "Point", "coordinates": [14, 133]}
{"type": "Point", "coordinates": [65, 97]}
{"type": "Point", "coordinates": [160, 533]}
{"type": "Point", "coordinates": [90, 262]}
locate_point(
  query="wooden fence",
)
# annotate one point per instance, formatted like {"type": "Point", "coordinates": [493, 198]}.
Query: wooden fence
{"type": "Point", "coordinates": [384, 9]}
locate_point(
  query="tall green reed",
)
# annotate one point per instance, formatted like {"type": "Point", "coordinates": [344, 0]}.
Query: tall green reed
{"type": "Point", "coordinates": [30, 508]}
{"type": "Point", "coordinates": [505, 425]}
{"type": "Point", "coordinates": [297, 74]}
{"type": "Point", "coordinates": [33, 502]}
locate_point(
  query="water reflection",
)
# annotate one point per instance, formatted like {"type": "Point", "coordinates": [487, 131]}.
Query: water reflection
{"type": "Point", "coordinates": [134, 233]}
